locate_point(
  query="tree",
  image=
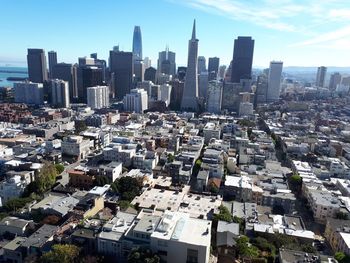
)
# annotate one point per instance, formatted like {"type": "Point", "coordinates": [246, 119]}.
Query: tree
{"type": "Point", "coordinates": [341, 257]}
{"type": "Point", "coordinates": [79, 126]}
{"type": "Point", "coordinates": [224, 214]}
{"type": "Point", "coordinates": [245, 249]}
{"type": "Point", "coordinates": [170, 158]}
{"type": "Point", "coordinates": [295, 182]}
{"type": "Point", "coordinates": [59, 168]}
{"type": "Point", "coordinates": [16, 203]}
{"type": "Point", "coordinates": [61, 254]}
{"type": "Point", "coordinates": [127, 187]}
{"type": "Point", "coordinates": [141, 255]}
{"type": "Point", "coordinates": [342, 215]}
{"type": "Point", "coordinates": [46, 178]}
{"type": "Point", "coordinates": [102, 180]}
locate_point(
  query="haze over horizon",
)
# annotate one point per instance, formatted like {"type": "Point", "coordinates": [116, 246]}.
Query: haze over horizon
{"type": "Point", "coordinates": [293, 31]}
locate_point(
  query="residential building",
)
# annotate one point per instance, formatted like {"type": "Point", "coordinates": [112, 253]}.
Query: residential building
{"type": "Point", "coordinates": [98, 97]}
{"type": "Point", "coordinates": [29, 93]}
{"type": "Point", "coordinates": [60, 93]}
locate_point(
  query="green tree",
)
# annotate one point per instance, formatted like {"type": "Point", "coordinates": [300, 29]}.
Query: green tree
{"type": "Point", "coordinates": [170, 158]}
{"type": "Point", "coordinates": [245, 249]}
{"type": "Point", "coordinates": [46, 178]}
{"type": "Point", "coordinates": [16, 203]}
{"type": "Point", "coordinates": [141, 255]}
{"type": "Point", "coordinates": [79, 126]}
{"type": "Point", "coordinates": [61, 254]}
{"type": "Point", "coordinates": [342, 215]}
{"type": "Point", "coordinates": [341, 257]}
{"type": "Point", "coordinates": [224, 214]}
{"type": "Point", "coordinates": [295, 182]}
{"type": "Point", "coordinates": [59, 168]}
{"type": "Point", "coordinates": [127, 187]}
{"type": "Point", "coordinates": [102, 180]}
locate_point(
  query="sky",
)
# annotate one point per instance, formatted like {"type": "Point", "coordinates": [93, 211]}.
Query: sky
{"type": "Point", "coordinates": [299, 33]}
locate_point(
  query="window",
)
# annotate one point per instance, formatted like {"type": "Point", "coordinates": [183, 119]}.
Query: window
{"type": "Point", "coordinates": [192, 256]}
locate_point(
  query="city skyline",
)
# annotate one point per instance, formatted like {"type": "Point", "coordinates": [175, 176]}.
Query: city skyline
{"type": "Point", "coordinates": [275, 27]}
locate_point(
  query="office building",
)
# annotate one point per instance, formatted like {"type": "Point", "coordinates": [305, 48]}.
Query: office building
{"type": "Point", "coordinates": [230, 96]}
{"type": "Point", "coordinates": [321, 76]}
{"type": "Point", "coordinates": [203, 84]}
{"type": "Point", "coordinates": [242, 59]}
{"type": "Point", "coordinates": [67, 72]}
{"type": "Point", "coordinates": [137, 44]}
{"type": "Point", "coordinates": [213, 68]}
{"type": "Point", "coordinates": [60, 93]}
{"type": "Point", "coordinates": [222, 70]}
{"type": "Point", "coordinates": [274, 81]}
{"type": "Point", "coordinates": [52, 61]}
{"type": "Point", "coordinates": [190, 93]}
{"type": "Point", "coordinates": [139, 71]}
{"type": "Point", "coordinates": [98, 97]}
{"type": "Point", "coordinates": [29, 93]}
{"type": "Point", "coordinates": [121, 65]}
{"type": "Point", "coordinates": [37, 70]}
{"type": "Point", "coordinates": [150, 74]}
{"type": "Point", "coordinates": [136, 101]}
{"type": "Point", "coordinates": [245, 109]}
{"type": "Point", "coordinates": [202, 67]}
{"type": "Point", "coordinates": [181, 73]}
{"type": "Point", "coordinates": [214, 96]}
{"type": "Point", "coordinates": [166, 62]}
{"type": "Point", "coordinates": [165, 93]}
{"type": "Point", "coordinates": [147, 62]}
{"type": "Point", "coordinates": [261, 90]}
{"type": "Point", "coordinates": [88, 76]}
{"type": "Point", "coordinates": [334, 81]}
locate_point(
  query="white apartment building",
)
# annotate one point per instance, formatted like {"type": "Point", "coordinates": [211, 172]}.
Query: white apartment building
{"type": "Point", "coordinates": [179, 238]}
{"type": "Point", "coordinates": [11, 188]}
{"type": "Point", "coordinates": [98, 97]}
{"type": "Point", "coordinates": [136, 101]}
{"type": "Point", "coordinates": [60, 93]}
{"type": "Point", "coordinates": [211, 131]}
{"type": "Point", "coordinates": [119, 154]}
{"type": "Point", "coordinates": [75, 146]}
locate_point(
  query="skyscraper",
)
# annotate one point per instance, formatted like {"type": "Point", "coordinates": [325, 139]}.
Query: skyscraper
{"type": "Point", "coordinates": [65, 72]}
{"type": "Point", "coordinates": [190, 93]}
{"type": "Point", "coordinates": [166, 62]}
{"type": "Point", "coordinates": [202, 67]}
{"type": "Point", "coordinates": [136, 101]}
{"type": "Point", "coordinates": [137, 43]}
{"type": "Point", "coordinates": [60, 93]}
{"type": "Point", "coordinates": [321, 76]}
{"type": "Point", "coordinates": [52, 61]}
{"type": "Point", "coordinates": [214, 97]}
{"type": "Point", "coordinates": [88, 76]}
{"type": "Point", "coordinates": [121, 65]}
{"type": "Point", "coordinates": [36, 61]}
{"type": "Point", "coordinates": [242, 59]}
{"type": "Point", "coordinates": [213, 68]}
{"type": "Point", "coordinates": [334, 81]}
{"type": "Point", "coordinates": [274, 81]}
{"type": "Point", "coordinates": [150, 74]}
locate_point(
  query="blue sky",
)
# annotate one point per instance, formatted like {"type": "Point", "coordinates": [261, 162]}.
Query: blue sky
{"type": "Point", "coordinates": [300, 33]}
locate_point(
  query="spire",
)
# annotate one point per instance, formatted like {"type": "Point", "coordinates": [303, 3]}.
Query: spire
{"type": "Point", "coordinates": [194, 30]}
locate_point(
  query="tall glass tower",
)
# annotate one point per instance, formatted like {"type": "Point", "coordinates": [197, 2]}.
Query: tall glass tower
{"type": "Point", "coordinates": [137, 43]}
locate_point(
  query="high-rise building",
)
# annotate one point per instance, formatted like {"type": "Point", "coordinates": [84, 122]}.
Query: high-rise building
{"type": "Point", "coordinates": [222, 70]}
{"type": "Point", "coordinates": [274, 81]}
{"type": "Point", "coordinates": [242, 59]}
{"type": "Point", "coordinates": [213, 68]}
{"type": "Point", "coordinates": [98, 97]}
{"type": "Point", "coordinates": [261, 90]}
{"type": "Point", "coordinates": [150, 74]}
{"type": "Point", "coordinates": [166, 62]}
{"type": "Point", "coordinates": [121, 64]}
{"type": "Point", "coordinates": [36, 60]}
{"type": "Point", "coordinates": [88, 76]}
{"type": "Point", "coordinates": [190, 93]}
{"type": "Point", "coordinates": [136, 101]}
{"type": "Point", "coordinates": [202, 66]}
{"type": "Point", "coordinates": [181, 73]}
{"type": "Point", "coordinates": [139, 71]}
{"type": "Point", "coordinates": [334, 80]}
{"type": "Point", "coordinates": [230, 96]}
{"type": "Point", "coordinates": [52, 61]}
{"type": "Point", "coordinates": [29, 93]}
{"type": "Point", "coordinates": [214, 97]}
{"type": "Point", "coordinates": [137, 43]}
{"type": "Point", "coordinates": [203, 84]}
{"type": "Point", "coordinates": [65, 72]}
{"type": "Point", "coordinates": [321, 76]}
{"type": "Point", "coordinates": [165, 93]}
{"type": "Point", "coordinates": [60, 93]}
{"type": "Point", "coordinates": [147, 62]}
